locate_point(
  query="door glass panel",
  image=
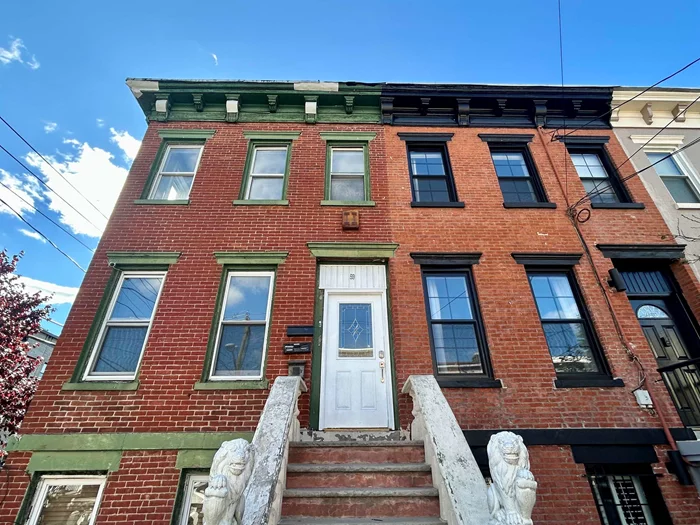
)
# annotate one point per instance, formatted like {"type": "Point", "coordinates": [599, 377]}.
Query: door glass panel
{"type": "Point", "coordinates": [649, 311]}
{"type": "Point", "coordinates": [355, 330]}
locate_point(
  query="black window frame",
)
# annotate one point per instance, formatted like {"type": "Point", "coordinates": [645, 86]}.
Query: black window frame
{"type": "Point", "coordinates": [575, 379]}
{"type": "Point", "coordinates": [647, 479]}
{"type": "Point", "coordinates": [597, 147]}
{"type": "Point", "coordinates": [427, 144]}
{"type": "Point", "coordinates": [484, 379]}
{"type": "Point", "coordinates": [533, 175]}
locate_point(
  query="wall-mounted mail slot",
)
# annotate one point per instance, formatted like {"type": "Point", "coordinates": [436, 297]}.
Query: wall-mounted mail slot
{"type": "Point", "coordinates": [300, 330]}
{"type": "Point", "coordinates": [297, 348]}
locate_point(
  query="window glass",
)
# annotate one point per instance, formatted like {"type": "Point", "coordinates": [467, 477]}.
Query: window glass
{"type": "Point", "coordinates": [266, 188]}
{"type": "Point", "coordinates": [267, 172]}
{"type": "Point", "coordinates": [347, 177]}
{"type": "Point", "coordinates": [430, 176]}
{"type": "Point", "coordinates": [649, 311]}
{"type": "Point", "coordinates": [243, 328]}
{"type": "Point", "coordinates": [137, 298]}
{"type": "Point", "coordinates": [270, 161]}
{"type": "Point", "coordinates": [66, 501]}
{"type": "Point", "coordinates": [456, 349]}
{"type": "Point", "coordinates": [347, 161]}
{"type": "Point", "coordinates": [621, 499]}
{"type": "Point", "coordinates": [449, 298]}
{"type": "Point", "coordinates": [594, 177]}
{"type": "Point", "coordinates": [667, 166]}
{"type": "Point", "coordinates": [355, 326]}
{"type": "Point", "coordinates": [677, 182]}
{"type": "Point", "coordinates": [173, 188]}
{"type": "Point", "coordinates": [427, 163]}
{"type": "Point", "coordinates": [176, 175]}
{"type": "Point", "coordinates": [514, 177]}
{"type": "Point", "coordinates": [192, 513]}
{"type": "Point", "coordinates": [181, 160]}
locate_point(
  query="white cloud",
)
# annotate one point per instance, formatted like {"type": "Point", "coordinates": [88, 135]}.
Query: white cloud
{"type": "Point", "coordinates": [92, 171]}
{"type": "Point", "coordinates": [26, 191]}
{"type": "Point", "coordinates": [50, 127]}
{"type": "Point", "coordinates": [100, 123]}
{"type": "Point", "coordinates": [15, 53]}
{"type": "Point", "coordinates": [128, 144]}
{"type": "Point", "coordinates": [61, 294]}
{"type": "Point", "coordinates": [32, 234]}
{"type": "Point", "coordinates": [216, 59]}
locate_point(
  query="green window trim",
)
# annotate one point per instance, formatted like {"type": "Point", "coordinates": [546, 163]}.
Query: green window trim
{"type": "Point", "coordinates": [239, 262]}
{"type": "Point", "coordinates": [54, 461]}
{"type": "Point", "coordinates": [160, 202]}
{"type": "Point", "coordinates": [352, 250]}
{"type": "Point", "coordinates": [120, 262]}
{"type": "Point", "coordinates": [195, 459]}
{"type": "Point", "coordinates": [266, 139]}
{"type": "Point", "coordinates": [348, 140]}
{"type": "Point", "coordinates": [172, 137]}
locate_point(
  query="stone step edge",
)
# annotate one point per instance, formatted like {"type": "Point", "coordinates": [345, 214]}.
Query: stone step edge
{"type": "Point", "coordinates": [420, 492]}
{"type": "Point", "coordinates": [365, 444]}
{"type": "Point", "coordinates": [428, 520]}
{"type": "Point", "coordinates": [358, 467]}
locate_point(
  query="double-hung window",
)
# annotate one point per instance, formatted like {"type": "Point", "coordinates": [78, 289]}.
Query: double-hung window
{"type": "Point", "coordinates": [348, 174]}
{"type": "Point", "coordinates": [241, 340]}
{"type": "Point", "coordinates": [123, 334]}
{"type": "Point", "coordinates": [193, 499]}
{"type": "Point", "coordinates": [677, 182]}
{"type": "Point", "coordinates": [567, 331]}
{"type": "Point", "coordinates": [268, 168]}
{"type": "Point", "coordinates": [595, 178]}
{"type": "Point", "coordinates": [431, 178]}
{"type": "Point", "coordinates": [66, 499]}
{"type": "Point", "coordinates": [176, 173]}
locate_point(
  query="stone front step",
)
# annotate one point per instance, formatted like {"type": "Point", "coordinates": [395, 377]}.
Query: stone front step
{"type": "Point", "coordinates": [360, 503]}
{"type": "Point", "coordinates": [361, 521]}
{"type": "Point", "coordinates": [357, 452]}
{"type": "Point", "coordinates": [358, 475]}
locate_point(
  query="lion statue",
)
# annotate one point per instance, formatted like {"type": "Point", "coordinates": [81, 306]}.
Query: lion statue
{"type": "Point", "coordinates": [511, 495]}
{"type": "Point", "coordinates": [230, 470]}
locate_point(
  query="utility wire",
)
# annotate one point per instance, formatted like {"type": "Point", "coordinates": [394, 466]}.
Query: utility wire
{"type": "Point", "coordinates": [597, 192]}
{"type": "Point", "coordinates": [28, 203]}
{"type": "Point", "coordinates": [49, 187]}
{"type": "Point", "coordinates": [52, 166]}
{"type": "Point", "coordinates": [44, 236]}
{"type": "Point", "coordinates": [561, 70]}
{"type": "Point", "coordinates": [554, 133]}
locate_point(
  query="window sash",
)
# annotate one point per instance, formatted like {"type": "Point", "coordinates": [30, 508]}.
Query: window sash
{"type": "Point", "coordinates": [334, 176]}
{"type": "Point", "coordinates": [447, 176]}
{"type": "Point", "coordinates": [187, 495]}
{"type": "Point", "coordinates": [90, 374]}
{"type": "Point", "coordinates": [335, 149]}
{"type": "Point", "coordinates": [257, 149]}
{"type": "Point", "coordinates": [252, 175]}
{"type": "Point", "coordinates": [161, 173]}
{"type": "Point", "coordinates": [222, 322]}
{"type": "Point", "coordinates": [47, 482]}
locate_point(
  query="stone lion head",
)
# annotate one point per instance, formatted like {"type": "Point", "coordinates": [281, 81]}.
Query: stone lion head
{"type": "Point", "coordinates": [510, 448]}
{"type": "Point", "coordinates": [231, 458]}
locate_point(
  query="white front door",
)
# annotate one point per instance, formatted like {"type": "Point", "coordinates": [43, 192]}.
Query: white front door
{"type": "Point", "coordinates": [356, 386]}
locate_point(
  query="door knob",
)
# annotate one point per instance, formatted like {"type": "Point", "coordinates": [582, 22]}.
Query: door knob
{"type": "Point", "coordinates": [665, 342]}
{"type": "Point", "coordinates": [381, 367]}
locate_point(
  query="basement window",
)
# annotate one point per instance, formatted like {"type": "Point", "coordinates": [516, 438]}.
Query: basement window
{"type": "Point", "coordinates": [193, 499]}
{"type": "Point", "coordinates": [67, 499]}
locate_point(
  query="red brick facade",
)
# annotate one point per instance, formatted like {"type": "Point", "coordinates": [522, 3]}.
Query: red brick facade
{"type": "Point", "coordinates": [145, 486]}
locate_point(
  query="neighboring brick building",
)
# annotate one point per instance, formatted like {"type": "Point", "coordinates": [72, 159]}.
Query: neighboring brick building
{"type": "Point", "coordinates": [230, 244]}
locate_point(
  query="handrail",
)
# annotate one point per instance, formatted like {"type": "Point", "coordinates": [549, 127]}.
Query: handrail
{"type": "Point", "coordinates": [674, 366]}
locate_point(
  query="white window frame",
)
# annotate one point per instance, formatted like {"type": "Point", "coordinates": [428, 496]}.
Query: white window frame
{"type": "Point", "coordinates": [684, 166]}
{"type": "Point", "coordinates": [187, 496]}
{"type": "Point", "coordinates": [170, 147]}
{"type": "Point", "coordinates": [266, 323]}
{"type": "Point", "coordinates": [252, 175]}
{"type": "Point", "coordinates": [342, 175]}
{"type": "Point", "coordinates": [88, 374]}
{"type": "Point", "coordinates": [48, 481]}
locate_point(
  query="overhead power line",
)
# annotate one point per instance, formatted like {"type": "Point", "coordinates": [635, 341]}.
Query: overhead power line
{"type": "Point", "coordinates": [44, 236]}
{"type": "Point", "coordinates": [49, 187]}
{"type": "Point", "coordinates": [52, 166]}
{"type": "Point", "coordinates": [28, 203]}
{"type": "Point", "coordinates": [559, 137]}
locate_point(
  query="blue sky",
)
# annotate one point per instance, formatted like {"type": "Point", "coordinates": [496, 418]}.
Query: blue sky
{"type": "Point", "coordinates": [63, 66]}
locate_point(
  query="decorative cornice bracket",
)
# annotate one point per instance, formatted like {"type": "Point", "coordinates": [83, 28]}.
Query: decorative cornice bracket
{"type": "Point", "coordinates": [198, 100]}
{"type": "Point", "coordinates": [540, 112]}
{"type": "Point", "coordinates": [679, 112]}
{"type": "Point", "coordinates": [310, 109]}
{"type": "Point", "coordinates": [647, 113]}
{"type": "Point", "coordinates": [162, 106]}
{"type": "Point", "coordinates": [272, 103]}
{"type": "Point", "coordinates": [463, 109]}
{"type": "Point", "coordinates": [387, 106]}
{"type": "Point", "coordinates": [233, 107]}
{"type": "Point", "coordinates": [349, 104]}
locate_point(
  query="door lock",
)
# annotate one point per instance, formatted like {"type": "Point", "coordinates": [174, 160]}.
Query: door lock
{"type": "Point", "coordinates": [381, 367]}
{"type": "Point", "coordinates": [665, 342]}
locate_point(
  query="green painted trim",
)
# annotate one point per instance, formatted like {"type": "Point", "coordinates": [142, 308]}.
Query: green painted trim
{"type": "Point", "coordinates": [91, 338]}
{"type": "Point", "coordinates": [124, 441]}
{"type": "Point", "coordinates": [357, 136]}
{"type": "Point", "coordinates": [260, 384]}
{"type": "Point", "coordinates": [390, 321]}
{"type": "Point", "coordinates": [195, 459]}
{"type": "Point", "coordinates": [271, 135]}
{"type": "Point", "coordinates": [182, 202]}
{"type": "Point", "coordinates": [99, 385]}
{"type": "Point", "coordinates": [315, 394]}
{"type": "Point", "coordinates": [366, 181]}
{"type": "Point", "coordinates": [70, 461]}
{"type": "Point", "coordinates": [353, 250]}
{"type": "Point", "coordinates": [251, 258]}
{"type": "Point", "coordinates": [177, 134]}
{"type": "Point", "coordinates": [28, 499]}
{"type": "Point", "coordinates": [261, 202]}
{"type": "Point", "coordinates": [118, 259]}
{"type": "Point", "coordinates": [349, 203]}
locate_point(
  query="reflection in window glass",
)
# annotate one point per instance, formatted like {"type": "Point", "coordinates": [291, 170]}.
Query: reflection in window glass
{"type": "Point", "coordinates": [175, 177]}
{"type": "Point", "coordinates": [649, 311]}
{"type": "Point", "coordinates": [594, 177]}
{"type": "Point", "coordinates": [514, 177]}
{"type": "Point", "coordinates": [195, 486]}
{"type": "Point", "coordinates": [69, 500]}
{"type": "Point", "coordinates": [429, 175]}
{"type": "Point", "coordinates": [677, 182]}
{"type": "Point", "coordinates": [266, 181]}
{"type": "Point", "coordinates": [347, 174]}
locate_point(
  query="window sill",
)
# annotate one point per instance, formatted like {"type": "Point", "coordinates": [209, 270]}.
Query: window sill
{"type": "Point", "coordinates": [470, 382]}
{"type": "Point", "coordinates": [618, 205]}
{"type": "Point", "coordinates": [529, 205]}
{"type": "Point", "coordinates": [248, 202]}
{"type": "Point", "coordinates": [159, 202]}
{"type": "Point", "coordinates": [437, 205]}
{"type": "Point", "coordinates": [256, 384]}
{"type": "Point", "coordinates": [687, 206]}
{"type": "Point", "coordinates": [101, 385]}
{"type": "Point", "coordinates": [348, 203]}
{"type": "Point", "coordinates": [604, 382]}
